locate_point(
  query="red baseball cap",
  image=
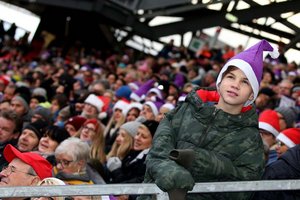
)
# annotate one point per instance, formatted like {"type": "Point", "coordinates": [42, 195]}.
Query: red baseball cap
{"type": "Point", "coordinates": [40, 165]}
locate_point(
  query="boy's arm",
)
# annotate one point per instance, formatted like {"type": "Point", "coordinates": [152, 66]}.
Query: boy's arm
{"type": "Point", "coordinates": [248, 165]}
{"type": "Point", "coordinates": [166, 173]}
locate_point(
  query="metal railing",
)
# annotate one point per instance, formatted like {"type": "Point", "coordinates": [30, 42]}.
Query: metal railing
{"type": "Point", "coordinates": [145, 189]}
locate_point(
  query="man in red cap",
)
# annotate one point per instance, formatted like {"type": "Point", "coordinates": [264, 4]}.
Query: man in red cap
{"type": "Point", "coordinates": [24, 169]}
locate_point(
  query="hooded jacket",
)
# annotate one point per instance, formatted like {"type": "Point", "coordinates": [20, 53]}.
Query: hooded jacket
{"type": "Point", "coordinates": [227, 147]}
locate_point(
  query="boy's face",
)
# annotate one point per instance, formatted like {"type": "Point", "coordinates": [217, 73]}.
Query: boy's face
{"type": "Point", "coordinates": [235, 89]}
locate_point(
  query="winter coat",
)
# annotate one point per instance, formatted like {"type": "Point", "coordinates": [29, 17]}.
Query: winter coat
{"type": "Point", "coordinates": [227, 147]}
{"type": "Point", "coordinates": [133, 168]}
{"type": "Point", "coordinates": [3, 161]}
{"type": "Point", "coordinates": [89, 176]}
{"type": "Point", "coordinates": [286, 167]}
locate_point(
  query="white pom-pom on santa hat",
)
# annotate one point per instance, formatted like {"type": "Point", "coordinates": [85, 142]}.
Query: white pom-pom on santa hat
{"type": "Point", "coordinates": [102, 115]}
{"type": "Point", "coordinates": [274, 54]}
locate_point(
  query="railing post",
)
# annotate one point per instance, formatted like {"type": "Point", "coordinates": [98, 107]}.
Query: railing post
{"type": "Point", "coordinates": [162, 196]}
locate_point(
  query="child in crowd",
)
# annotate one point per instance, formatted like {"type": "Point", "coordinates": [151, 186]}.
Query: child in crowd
{"type": "Point", "coordinates": [219, 129]}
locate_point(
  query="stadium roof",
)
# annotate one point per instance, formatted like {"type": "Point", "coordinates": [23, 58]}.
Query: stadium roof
{"type": "Point", "coordinates": [274, 20]}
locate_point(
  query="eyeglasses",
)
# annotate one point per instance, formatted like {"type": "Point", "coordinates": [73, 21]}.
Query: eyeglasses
{"type": "Point", "coordinates": [64, 163]}
{"type": "Point", "coordinates": [89, 129]}
{"type": "Point", "coordinates": [11, 169]}
{"type": "Point", "coordinates": [280, 144]}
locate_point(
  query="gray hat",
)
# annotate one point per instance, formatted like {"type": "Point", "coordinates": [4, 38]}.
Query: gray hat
{"type": "Point", "coordinates": [44, 113]}
{"type": "Point", "coordinates": [290, 115]}
{"type": "Point", "coordinates": [22, 101]}
{"type": "Point", "coordinates": [39, 92]}
{"type": "Point", "coordinates": [131, 127]}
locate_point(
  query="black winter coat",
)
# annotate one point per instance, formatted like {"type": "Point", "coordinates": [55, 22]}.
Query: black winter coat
{"type": "Point", "coordinates": [286, 167]}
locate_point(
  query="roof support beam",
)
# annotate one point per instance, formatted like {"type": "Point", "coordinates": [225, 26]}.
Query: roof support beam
{"type": "Point", "coordinates": [214, 18]}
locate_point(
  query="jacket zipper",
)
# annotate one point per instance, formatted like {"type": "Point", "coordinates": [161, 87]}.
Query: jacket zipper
{"type": "Point", "coordinates": [203, 138]}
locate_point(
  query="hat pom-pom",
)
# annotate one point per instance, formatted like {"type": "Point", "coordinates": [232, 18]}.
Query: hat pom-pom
{"type": "Point", "coordinates": [275, 53]}
{"type": "Point", "coordinates": [102, 115]}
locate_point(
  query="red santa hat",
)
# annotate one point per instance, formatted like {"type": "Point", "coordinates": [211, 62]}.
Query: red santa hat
{"type": "Point", "coordinates": [5, 79]}
{"type": "Point", "coordinates": [121, 105]}
{"type": "Point", "coordinates": [290, 137]}
{"type": "Point", "coordinates": [269, 121]}
{"type": "Point", "coordinates": [100, 102]}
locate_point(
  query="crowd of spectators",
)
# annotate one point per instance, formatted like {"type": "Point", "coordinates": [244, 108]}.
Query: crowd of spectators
{"type": "Point", "coordinates": [93, 115]}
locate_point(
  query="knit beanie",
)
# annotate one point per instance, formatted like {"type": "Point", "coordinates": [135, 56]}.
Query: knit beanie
{"type": "Point", "coordinates": [267, 91]}
{"type": "Point", "coordinates": [269, 121]}
{"type": "Point", "coordinates": [76, 121]}
{"type": "Point", "coordinates": [250, 62]}
{"type": "Point", "coordinates": [289, 114]}
{"type": "Point", "coordinates": [45, 113]}
{"type": "Point", "coordinates": [39, 92]}
{"type": "Point", "coordinates": [131, 127]}
{"type": "Point", "coordinates": [22, 101]}
{"type": "Point", "coordinates": [39, 98]}
{"type": "Point", "coordinates": [123, 92]}
{"type": "Point", "coordinates": [290, 137]}
{"type": "Point", "coordinates": [151, 125]}
{"type": "Point", "coordinates": [57, 133]}
{"type": "Point", "coordinates": [38, 127]}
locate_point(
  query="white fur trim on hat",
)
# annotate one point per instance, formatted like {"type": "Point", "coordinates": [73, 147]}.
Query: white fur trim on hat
{"type": "Point", "coordinates": [152, 106]}
{"type": "Point", "coordinates": [135, 97]}
{"type": "Point", "coordinates": [168, 106]}
{"type": "Point", "coordinates": [94, 101]}
{"type": "Point", "coordinates": [133, 86]}
{"type": "Point", "coordinates": [268, 127]}
{"type": "Point", "coordinates": [156, 91]}
{"type": "Point", "coordinates": [132, 105]}
{"type": "Point", "coordinates": [121, 105]}
{"type": "Point", "coordinates": [287, 141]}
{"type": "Point", "coordinates": [248, 71]}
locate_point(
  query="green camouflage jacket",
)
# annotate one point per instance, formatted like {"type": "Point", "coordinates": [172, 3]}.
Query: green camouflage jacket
{"type": "Point", "coordinates": [227, 147]}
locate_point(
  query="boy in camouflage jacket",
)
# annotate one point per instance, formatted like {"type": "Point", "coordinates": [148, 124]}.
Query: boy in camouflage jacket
{"type": "Point", "coordinates": [220, 127]}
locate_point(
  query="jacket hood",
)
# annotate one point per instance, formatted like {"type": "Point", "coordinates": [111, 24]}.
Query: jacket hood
{"type": "Point", "coordinates": [292, 157]}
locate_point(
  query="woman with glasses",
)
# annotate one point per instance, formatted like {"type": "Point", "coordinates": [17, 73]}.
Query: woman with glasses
{"type": "Point", "coordinates": [92, 133]}
{"type": "Point", "coordinates": [53, 136]}
{"type": "Point", "coordinates": [72, 167]}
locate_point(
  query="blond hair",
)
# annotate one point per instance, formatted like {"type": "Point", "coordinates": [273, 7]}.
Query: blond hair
{"type": "Point", "coordinates": [123, 149]}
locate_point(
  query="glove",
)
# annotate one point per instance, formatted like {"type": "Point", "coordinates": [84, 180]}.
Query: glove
{"type": "Point", "coordinates": [177, 194]}
{"type": "Point", "coordinates": [113, 163]}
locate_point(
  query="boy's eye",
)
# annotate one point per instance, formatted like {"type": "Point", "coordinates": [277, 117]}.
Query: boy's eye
{"type": "Point", "coordinates": [230, 76]}
{"type": "Point", "coordinates": [246, 82]}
